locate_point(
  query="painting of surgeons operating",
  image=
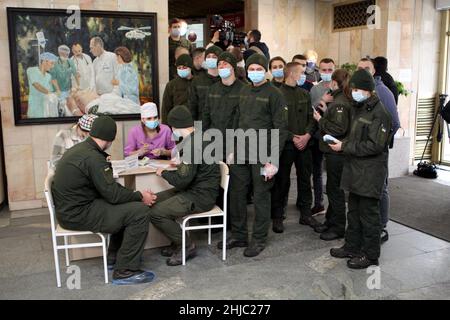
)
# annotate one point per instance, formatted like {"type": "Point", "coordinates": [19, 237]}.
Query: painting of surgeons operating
{"type": "Point", "coordinates": [65, 64]}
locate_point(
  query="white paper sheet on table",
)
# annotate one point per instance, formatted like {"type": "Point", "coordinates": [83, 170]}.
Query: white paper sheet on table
{"type": "Point", "coordinates": [128, 163]}
{"type": "Point", "coordinates": [156, 164]}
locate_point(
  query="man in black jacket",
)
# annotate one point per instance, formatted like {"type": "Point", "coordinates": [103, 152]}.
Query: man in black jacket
{"type": "Point", "coordinates": [254, 45]}
{"type": "Point", "coordinates": [381, 66]}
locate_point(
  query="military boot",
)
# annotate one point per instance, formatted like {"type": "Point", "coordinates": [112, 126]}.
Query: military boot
{"type": "Point", "coordinates": [309, 221]}
{"type": "Point", "coordinates": [361, 262]}
{"type": "Point", "coordinates": [343, 252]}
{"type": "Point", "coordinates": [254, 249]}
{"type": "Point", "coordinates": [177, 257]}
{"type": "Point", "coordinates": [277, 225]}
{"type": "Point", "coordinates": [233, 243]}
{"type": "Point", "coordinates": [169, 250]}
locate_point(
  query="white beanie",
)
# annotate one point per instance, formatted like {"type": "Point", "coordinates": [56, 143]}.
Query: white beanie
{"type": "Point", "coordinates": [149, 110]}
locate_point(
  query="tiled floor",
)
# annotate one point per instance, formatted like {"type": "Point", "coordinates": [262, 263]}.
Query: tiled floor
{"type": "Point", "coordinates": [295, 265]}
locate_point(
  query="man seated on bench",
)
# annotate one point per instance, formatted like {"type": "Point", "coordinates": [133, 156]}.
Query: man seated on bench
{"type": "Point", "coordinates": [88, 199]}
{"type": "Point", "coordinates": [196, 187]}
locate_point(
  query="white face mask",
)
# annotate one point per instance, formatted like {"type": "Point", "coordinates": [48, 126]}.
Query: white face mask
{"type": "Point", "coordinates": [241, 64]}
{"type": "Point", "coordinates": [176, 135]}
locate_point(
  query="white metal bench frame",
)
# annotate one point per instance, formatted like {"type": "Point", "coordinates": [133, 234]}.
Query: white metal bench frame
{"type": "Point", "coordinates": [215, 212]}
{"type": "Point", "coordinates": [58, 231]}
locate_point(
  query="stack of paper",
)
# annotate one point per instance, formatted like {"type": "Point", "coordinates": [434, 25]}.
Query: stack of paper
{"type": "Point", "coordinates": [156, 164]}
{"type": "Point", "coordinates": [128, 163]}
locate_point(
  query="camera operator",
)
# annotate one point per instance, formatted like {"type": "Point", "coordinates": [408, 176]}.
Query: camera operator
{"type": "Point", "coordinates": [253, 44]}
{"type": "Point", "coordinates": [225, 35]}
{"type": "Point", "coordinates": [215, 41]}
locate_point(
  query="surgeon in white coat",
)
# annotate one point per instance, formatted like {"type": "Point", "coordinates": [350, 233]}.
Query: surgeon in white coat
{"type": "Point", "coordinates": [105, 66]}
{"type": "Point", "coordinates": [85, 68]}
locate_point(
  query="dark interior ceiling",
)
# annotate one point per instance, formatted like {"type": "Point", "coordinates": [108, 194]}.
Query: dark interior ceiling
{"type": "Point", "coordinates": [202, 8]}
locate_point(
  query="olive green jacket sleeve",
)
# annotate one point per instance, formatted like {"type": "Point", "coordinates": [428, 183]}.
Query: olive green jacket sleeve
{"type": "Point", "coordinates": [193, 100]}
{"type": "Point", "coordinates": [336, 121]}
{"type": "Point", "coordinates": [206, 114]}
{"type": "Point", "coordinates": [182, 177]}
{"type": "Point", "coordinates": [377, 137]}
{"type": "Point", "coordinates": [101, 176]}
{"type": "Point", "coordinates": [311, 126]}
{"type": "Point", "coordinates": [167, 102]}
{"type": "Point", "coordinates": [279, 111]}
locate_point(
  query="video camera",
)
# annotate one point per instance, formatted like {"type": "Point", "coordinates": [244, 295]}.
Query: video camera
{"type": "Point", "coordinates": [227, 30]}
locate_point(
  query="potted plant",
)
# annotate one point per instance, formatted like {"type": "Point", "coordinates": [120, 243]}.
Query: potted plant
{"type": "Point", "coordinates": [401, 89]}
{"type": "Point", "coordinates": [350, 67]}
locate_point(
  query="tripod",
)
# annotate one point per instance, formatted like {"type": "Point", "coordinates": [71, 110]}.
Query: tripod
{"type": "Point", "coordinates": [424, 169]}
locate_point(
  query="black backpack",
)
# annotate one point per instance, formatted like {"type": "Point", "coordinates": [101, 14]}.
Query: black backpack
{"type": "Point", "coordinates": [426, 170]}
{"type": "Point", "coordinates": [445, 112]}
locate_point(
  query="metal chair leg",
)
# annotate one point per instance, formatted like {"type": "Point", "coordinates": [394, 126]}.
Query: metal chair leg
{"type": "Point", "coordinates": [56, 258]}
{"type": "Point", "coordinates": [66, 252]}
{"type": "Point", "coordinates": [105, 255]}
{"type": "Point", "coordinates": [183, 244]}
{"type": "Point", "coordinates": [209, 231]}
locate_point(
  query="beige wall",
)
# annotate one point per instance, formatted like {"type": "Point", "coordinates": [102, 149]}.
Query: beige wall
{"type": "Point", "coordinates": [408, 37]}
{"type": "Point", "coordinates": [27, 148]}
{"type": "Point", "coordinates": [287, 26]}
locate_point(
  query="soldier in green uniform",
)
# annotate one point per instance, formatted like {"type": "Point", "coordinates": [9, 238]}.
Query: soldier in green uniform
{"type": "Point", "coordinates": [176, 91]}
{"type": "Point", "coordinates": [276, 66]}
{"type": "Point", "coordinates": [202, 83]}
{"type": "Point", "coordinates": [296, 150]}
{"type": "Point", "coordinates": [196, 187]}
{"type": "Point", "coordinates": [261, 107]}
{"type": "Point", "coordinates": [221, 107]}
{"type": "Point", "coordinates": [175, 41]}
{"type": "Point", "coordinates": [336, 121]}
{"type": "Point", "coordinates": [88, 199]}
{"type": "Point", "coordinates": [223, 97]}
{"type": "Point", "coordinates": [198, 59]}
{"type": "Point", "coordinates": [364, 173]}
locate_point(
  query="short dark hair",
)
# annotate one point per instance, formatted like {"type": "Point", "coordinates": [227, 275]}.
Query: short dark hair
{"type": "Point", "coordinates": [367, 60]}
{"type": "Point", "coordinates": [124, 53]}
{"type": "Point", "coordinates": [276, 59]}
{"type": "Point", "coordinates": [256, 34]}
{"type": "Point", "coordinates": [298, 57]}
{"type": "Point", "coordinates": [198, 51]}
{"type": "Point", "coordinates": [380, 64]}
{"type": "Point", "coordinates": [288, 68]}
{"type": "Point", "coordinates": [236, 52]}
{"type": "Point", "coordinates": [175, 20]}
{"type": "Point", "coordinates": [327, 60]}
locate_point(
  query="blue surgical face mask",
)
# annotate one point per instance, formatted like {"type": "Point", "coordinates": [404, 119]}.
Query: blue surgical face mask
{"type": "Point", "coordinates": [175, 32]}
{"type": "Point", "coordinates": [204, 65]}
{"type": "Point", "coordinates": [278, 73]}
{"type": "Point", "coordinates": [152, 125]}
{"type": "Point", "coordinates": [310, 64]}
{"type": "Point", "coordinates": [211, 63]}
{"type": "Point", "coordinates": [184, 73]}
{"type": "Point", "coordinates": [358, 96]}
{"type": "Point", "coordinates": [225, 73]}
{"type": "Point", "coordinates": [302, 80]}
{"type": "Point", "coordinates": [256, 76]}
{"type": "Point", "coordinates": [326, 77]}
